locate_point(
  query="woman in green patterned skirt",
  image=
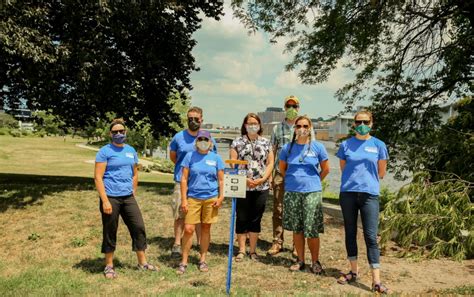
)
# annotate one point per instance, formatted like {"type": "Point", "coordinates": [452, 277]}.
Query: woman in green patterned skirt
{"type": "Point", "coordinates": [304, 164]}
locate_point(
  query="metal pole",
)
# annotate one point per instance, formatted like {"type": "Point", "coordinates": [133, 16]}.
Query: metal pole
{"type": "Point", "coordinates": [231, 247]}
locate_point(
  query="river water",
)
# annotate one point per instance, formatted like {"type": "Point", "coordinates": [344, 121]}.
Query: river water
{"type": "Point", "coordinates": [334, 177]}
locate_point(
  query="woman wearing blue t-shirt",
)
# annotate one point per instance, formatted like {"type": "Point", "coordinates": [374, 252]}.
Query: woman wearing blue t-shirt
{"type": "Point", "coordinates": [363, 161]}
{"type": "Point", "coordinates": [116, 180]}
{"type": "Point", "coordinates": [302, 203]}
{"type": "Point", "coordinates": [202, 193]}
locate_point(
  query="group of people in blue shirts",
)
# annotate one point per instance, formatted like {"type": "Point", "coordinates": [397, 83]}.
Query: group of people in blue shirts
{"type": "Point", "coordinates": [294, 164]}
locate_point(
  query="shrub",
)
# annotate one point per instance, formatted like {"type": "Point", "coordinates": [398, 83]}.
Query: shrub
{"type": "Point", "coordinates": [433, 217]}
{"type": "Point", "coordinates": [162, 165]}
{"type": "Point", "coordinates": [4, 131]}
{"type": "Point", "coordinates": [15, 133]}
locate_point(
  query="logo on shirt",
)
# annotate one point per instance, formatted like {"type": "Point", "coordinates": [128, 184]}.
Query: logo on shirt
{"type": "Point", "coordinates": [311, 154]}
{"type": "Point", "coordinates": [211, 162]}
{"type": "Point", "coordinates": [129, 155]}
{"type": "Point", "coordinates": [371, 149]}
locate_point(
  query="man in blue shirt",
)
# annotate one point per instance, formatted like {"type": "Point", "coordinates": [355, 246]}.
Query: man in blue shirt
{"type": "Point", "coordinates": [181, 144]}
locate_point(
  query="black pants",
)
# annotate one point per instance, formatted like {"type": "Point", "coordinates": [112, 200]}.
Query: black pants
{"type": "Point", "coordinates": [128, 209]}
{"type": "Point", "coordinates": [250, 211]}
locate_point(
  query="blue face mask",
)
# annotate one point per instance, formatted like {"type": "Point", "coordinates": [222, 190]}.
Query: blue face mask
{"type": "Point", "coordinates": [362, 129]}
{"type": "Point", "coordinates": [119, 138]}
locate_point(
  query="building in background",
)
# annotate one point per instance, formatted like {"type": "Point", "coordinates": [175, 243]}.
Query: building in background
{"type": "Point", "coordinates": [340, 127]}
{"type": "Point", "coordinates": [271, 117]}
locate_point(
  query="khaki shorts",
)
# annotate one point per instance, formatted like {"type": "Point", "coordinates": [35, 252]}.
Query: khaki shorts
{"type": "Point", "coordinates": [201, 211]}
{"type": "Point", "coordinates": [176, 202]}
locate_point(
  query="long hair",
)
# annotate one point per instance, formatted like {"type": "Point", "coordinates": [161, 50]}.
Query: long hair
{"type": "Point", "coordinates": [293, 140]}
{"type": "Point", "coordinates": [243, 130]}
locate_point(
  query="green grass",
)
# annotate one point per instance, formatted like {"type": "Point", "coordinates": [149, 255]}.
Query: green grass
{"type": "Point", "coordinates": [51, 233]}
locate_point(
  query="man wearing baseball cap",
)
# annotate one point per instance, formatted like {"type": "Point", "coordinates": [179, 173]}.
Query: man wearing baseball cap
{"type": "Point", "coordinates": [281, 135]}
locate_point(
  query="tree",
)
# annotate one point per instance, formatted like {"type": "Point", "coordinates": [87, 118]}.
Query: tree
{"type": "Point", "coordinates": [47, 123]}
{"type": "Point", "coordinates": [82, 59]}
{"type": "Point", "coordinates": [8, 121]}
{"type": "Point", "coordinates": [409, 57]}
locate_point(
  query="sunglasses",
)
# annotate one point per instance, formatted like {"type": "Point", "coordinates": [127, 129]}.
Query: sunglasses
{"type": "Point", "coordinates": [202, 139]}
{"type": "Point", "coordinates": [360, 122]}
{"type": "Point", "coordinates": [194, 119]}
{"type": "Point", "coordinates": [292, 106]}
{"type": "Point", "coordinates": [302, 126]}
{"type": "Point", "coordinates": [117, 131]}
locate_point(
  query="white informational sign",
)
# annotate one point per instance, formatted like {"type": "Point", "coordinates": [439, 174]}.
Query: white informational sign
{"type": "Point", "coordinates": [235, 185]}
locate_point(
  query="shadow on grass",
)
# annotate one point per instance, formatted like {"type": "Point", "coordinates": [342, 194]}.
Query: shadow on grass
{"type": "Point", "coordinates": [96, 265]}
{"type": "Point", "coordinates": [20, 190]}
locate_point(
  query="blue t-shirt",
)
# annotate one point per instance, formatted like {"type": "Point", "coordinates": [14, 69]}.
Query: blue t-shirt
{"type": "Point", "coordinates": [202, 179]}
{"type": "Point", "coordinates": [183, 143]}
{"type": "Point", "coordinates": [361, 173]}
{"type": "Point", "coordinates": [118, 175]}
{"type": "Point", "coordinates": [302, 173]}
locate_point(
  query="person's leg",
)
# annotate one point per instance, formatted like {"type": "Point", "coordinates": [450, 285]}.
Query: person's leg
{"type": "Point", "coordinates": [198, 234]}
{"type": "Point", "coordinates": [208, 217]}
{"type": "Point", "coordinates": [257, 208]}
{"type": "Point", "coordinates": [313, 221]}
{"type": "Point", "coordinates": [369, 212]}
{"type": "Point", "coordinates": [178, 216]}
{"type": "Point", "coordinates": [132, 217]}
{"type": "Point", "coordinates": [241, 224]}
{"type": "Point", "coordinates": [109, 230]}
{"type": "Point", "coordinates": [109, 259]}
{"type": "Point", "coordinates": [205, 240]}
{"type": "Point", "coordinates": [187, 242]}
{"type": "Point", "coordinates": [298, 239]}
{"type": "Point", "coordinates": [278, 193]}
{"type": "Point", "coordinates": [313, 245]}
{"type": "Point", "coordinates": [350, 210]}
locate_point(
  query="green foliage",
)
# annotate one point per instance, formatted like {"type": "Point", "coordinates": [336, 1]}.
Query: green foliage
{"type": "Point", "coordinates": [436, 216]}
{"type": "Point", "coordinates": [385, 196]}
{"type": "Point", "coordinates": [8, 121]}
{"type": "Point", "coordinates": [15, 132]}
{"type": "Point", "coordinates": [78, 242]}
{"type": "Point", "coordinates": [162, 165]}
{"type": "Point", "coordinates": [34, 236]}
{"type": "Point", "coordinates": [47, 123]}
{"type": "Point", "coordinates": [82, 59]}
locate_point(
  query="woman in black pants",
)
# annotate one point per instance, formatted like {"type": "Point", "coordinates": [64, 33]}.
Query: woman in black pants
{"type": "Point", "coordinates": [255, 149]}
{"type": "Point", "coordinates": [116, 180]}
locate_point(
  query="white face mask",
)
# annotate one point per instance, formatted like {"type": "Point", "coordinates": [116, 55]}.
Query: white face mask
{"type": "Point", "coordinates": [302, 132]}
{"type": "Point", "coordinates": [203, 145]}
{"type": "Point", "coordinates": [253, 129]}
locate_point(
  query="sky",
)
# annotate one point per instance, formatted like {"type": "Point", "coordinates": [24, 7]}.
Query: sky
{"type": "Point", "coordinates": [242, 73]}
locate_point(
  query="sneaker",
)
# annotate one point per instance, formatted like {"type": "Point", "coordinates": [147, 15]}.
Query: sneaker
{"type": "Point", "coordinates": [317, 268]}
{"type": "Point", "coordinates": [275, 249]}
{"type": "Point", "coordinates": [176, 251]}
{"type": "Point", "coordinates": [297, 266]}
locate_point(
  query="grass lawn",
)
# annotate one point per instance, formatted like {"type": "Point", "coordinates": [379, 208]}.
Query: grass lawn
{"type": "Point", "coordinates": [51, 235]}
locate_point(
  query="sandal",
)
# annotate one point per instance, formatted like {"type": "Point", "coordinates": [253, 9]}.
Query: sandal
{"type": "Point", "coordinates": [203, 267]}
{"type": "Point", "coordinates": [181, 268]}
{"type": "Point", "coordinates": [147, 267]}
{"type": "Point", "coordinates": [240, 256]}
{"type": "Point", "coordinates": [253, 256]}
{"type": "Point", "coordinates": [317, 268]}
{"type": "Point", "coordinates": [380, 288]}
{"type": "Point", "coordinates": [109, 272]}
{"type": "Point", "coordinates": [297, 266]}
{"type": "Point", "coordinates": [346, 278]}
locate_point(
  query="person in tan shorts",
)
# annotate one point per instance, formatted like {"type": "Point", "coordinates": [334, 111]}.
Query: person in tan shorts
{"type": "Point", "coordinates": [202, 193]}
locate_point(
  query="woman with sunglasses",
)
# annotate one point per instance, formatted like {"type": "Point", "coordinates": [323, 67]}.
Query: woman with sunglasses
{"type": "Point", "coordinates": [255, 149]}
{"type": "Point", "coordinates": [363, 161]}
{"type": "Point", "coordinates": [302, 203]}
{"type": "Point", "coordinates": [202, 193]}
{"type": "Point", "coordinates": [116, 180]}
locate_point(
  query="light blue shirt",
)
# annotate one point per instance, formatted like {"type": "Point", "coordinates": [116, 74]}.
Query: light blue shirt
{"type": "Point", "coordinates": [118, 175]}
{"type": "Point", "coordinates": [361, 173]}
{"type": "Point", "coordinates": [203, 169]}
{"type": "Point", "coordinates": [302, 173]}
{"type": "Point", "coordinates": [183, 143]}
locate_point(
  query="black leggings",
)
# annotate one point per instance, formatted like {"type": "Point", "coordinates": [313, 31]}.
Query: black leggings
{"type": "Point", "coordinates": [128, 209]}
{"type": "Point", "coordinates": [250, 211]}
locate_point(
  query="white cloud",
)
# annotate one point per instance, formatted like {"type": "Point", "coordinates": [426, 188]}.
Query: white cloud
{"type": "Point", "coordinates": [229, 88]}
{"type": "Point", "coordinates": [288, 79]}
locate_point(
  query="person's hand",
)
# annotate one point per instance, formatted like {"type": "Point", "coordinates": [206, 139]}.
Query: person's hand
{"type": "Point", "coordinates": [184, 207]}
{"type": "Point", "coordinates": [218, 202]}
{"type": "Point", "coordinates": [250, 183]}
{"type": "Point", "coordinates": [107, 207]}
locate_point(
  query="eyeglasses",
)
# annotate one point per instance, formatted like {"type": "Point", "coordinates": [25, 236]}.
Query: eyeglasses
{"type": "Point", "coordinates": [194, 119]}
{"type": "Point", "coordinates": [302, 126]}
{"type": "Point", "coordinates": [117, 131]}
{"type": "Point", "coordinates": [202, 139]}
{"type": "Point", "coordinates": [292, 106]}
{"type": "Point", "coordinates": [360, 122]}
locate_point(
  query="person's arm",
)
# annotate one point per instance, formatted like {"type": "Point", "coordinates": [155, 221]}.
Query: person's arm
{"type": "Point", "coordinates": [324, 169]}
{"type": "Point", "coordinates": [135, 179]}
{"type": "Point", "coordinates": [283, 166]}
{"type": "Point", "coordinates": [382, 166]}
{"type": "Point", "coordinates": [173, 157]}
{"type": "Point", "coordinates": [233, 155]}
{"type": "Point", "coordinates": [220, 198]}
{"type": "Point", "coordinates": [99, 184]}
{"type": "Point", "coordinates": [184, 189]}
{"type": "Point", "coordinates": [268, 170]}
{"type": "Point", "coordinates": [342, 164]}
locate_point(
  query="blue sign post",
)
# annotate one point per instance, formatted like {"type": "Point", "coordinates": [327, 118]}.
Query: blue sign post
{"type": "Point", "coordinates": [234, 186]}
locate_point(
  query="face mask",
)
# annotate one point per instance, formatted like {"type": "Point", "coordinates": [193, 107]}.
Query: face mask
{"type": "Point", "coordinates": [302, 132]}
{"type": "Point", "coordinates": [203, 145]}
{"type": "Point", "coordinates": [362, 129]}
{"type": "Point", "coordinates": [253, 129]}
{"type": "Point", "coordinates": [193, 125]}
{"type": "Point", "coordinates": [291, 114]}
{"type": "Point", "coordinates": [119, 138]}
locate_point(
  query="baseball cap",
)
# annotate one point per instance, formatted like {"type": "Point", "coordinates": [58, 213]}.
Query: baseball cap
{"type": "Point", "coordinates": [204, 133]}
{"type": "Point", "coordinates": [294, 98]}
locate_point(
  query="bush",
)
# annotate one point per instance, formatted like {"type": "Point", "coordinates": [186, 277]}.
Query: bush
{"type": "Point", "coordinates": [15, 133]}
{"type": "Point", "coordinates": [4, 131]}
{"type": "Point", "coordinates": [40, 133]}
{"type": "Point", "coordinates": [385, 196]}
{"type": "Point", "coordinates": [162, 165]}
{"type": "Point", "coordinates": [26, 132]}
{"type": "Point", "coordinates": [432, 217]}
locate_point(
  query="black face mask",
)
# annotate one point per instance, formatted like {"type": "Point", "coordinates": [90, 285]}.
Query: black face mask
{"type": "Point", "coordinates": [193, 125]}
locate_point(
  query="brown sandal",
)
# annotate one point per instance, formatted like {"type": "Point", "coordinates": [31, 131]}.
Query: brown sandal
{"type": "Point", "coordinates": [347, 278]}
